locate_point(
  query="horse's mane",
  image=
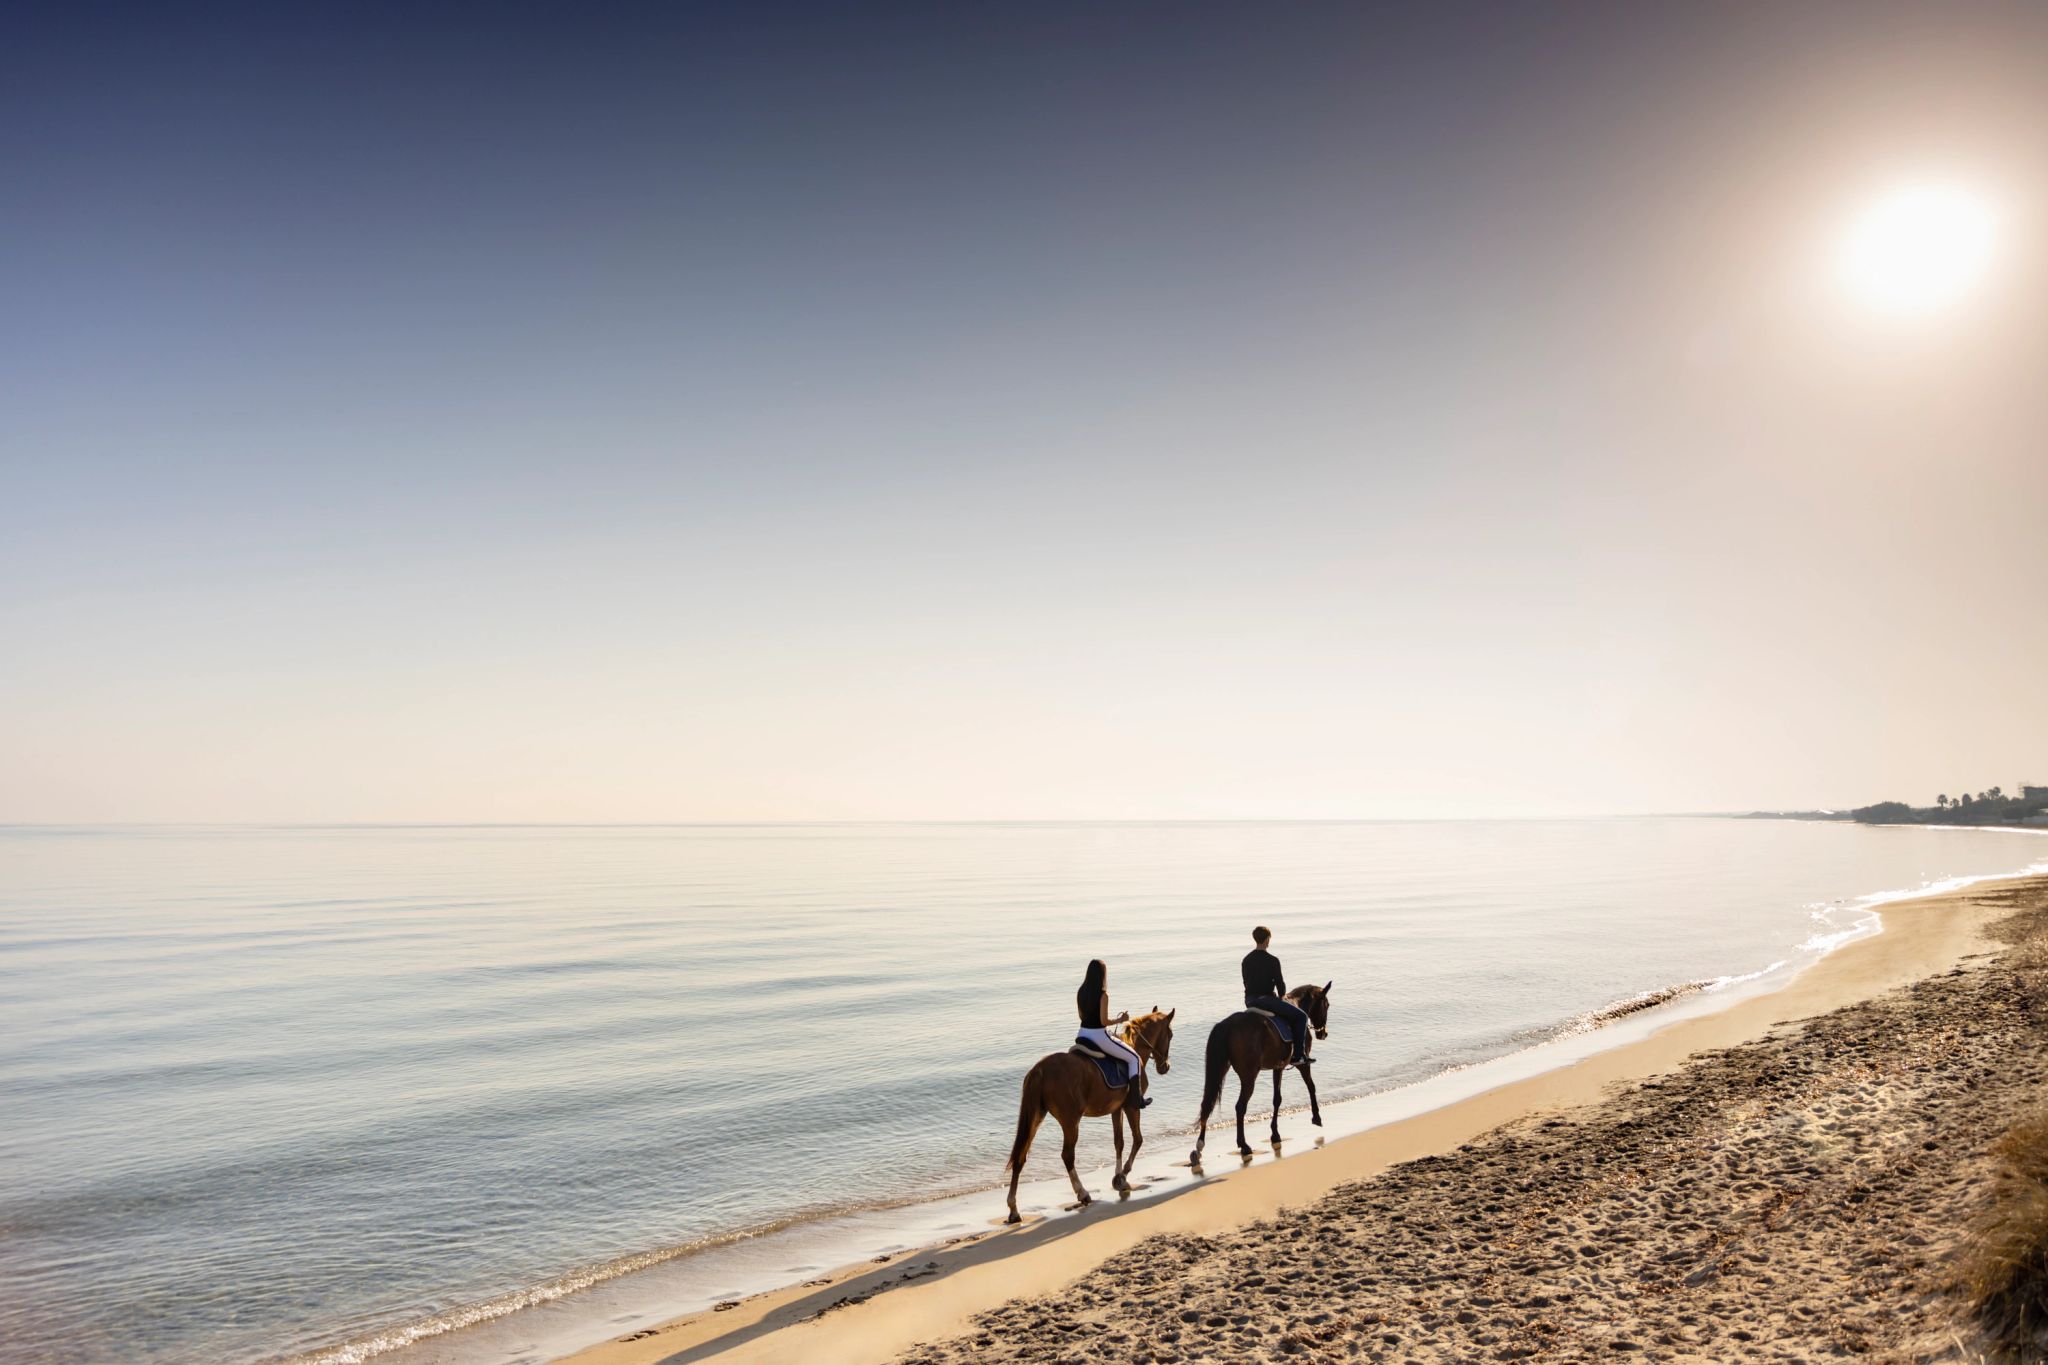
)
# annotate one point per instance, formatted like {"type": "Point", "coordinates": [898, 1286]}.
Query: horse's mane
{"type": "Point", "coordinates": [1131, 1025]}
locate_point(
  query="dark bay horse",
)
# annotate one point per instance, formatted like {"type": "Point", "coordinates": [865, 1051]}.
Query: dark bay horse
{"type": "Point", "coordinates": [1070, 1088]}
{"type": "Point", "coordinates": [1248, 1043]}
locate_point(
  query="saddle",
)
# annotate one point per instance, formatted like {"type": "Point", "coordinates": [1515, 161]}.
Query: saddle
{"type": "Point", "coordinates": [1116, 1072]}
{"type": "Point", "coordinates": [1280, 1025]}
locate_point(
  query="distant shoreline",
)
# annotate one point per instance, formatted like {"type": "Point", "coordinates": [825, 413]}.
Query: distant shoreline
{"type": "Point", "coordinates": [1989, 810]}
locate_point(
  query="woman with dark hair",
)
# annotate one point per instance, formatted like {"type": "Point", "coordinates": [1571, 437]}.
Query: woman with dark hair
{"type": "Point", "coordinates": [1093, 999]}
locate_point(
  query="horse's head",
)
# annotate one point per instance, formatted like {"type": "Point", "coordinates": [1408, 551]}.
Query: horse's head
{"type": "Point", "coordinates": [1315, 1003]}
{"type": "Point", "coordinates": [1152, 1036]}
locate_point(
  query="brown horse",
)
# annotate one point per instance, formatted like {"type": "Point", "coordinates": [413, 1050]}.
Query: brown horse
{"type": "Point", "coordinates": [1071, 1088]}
{"type": "Point", "coordinates": [1248, 1043]}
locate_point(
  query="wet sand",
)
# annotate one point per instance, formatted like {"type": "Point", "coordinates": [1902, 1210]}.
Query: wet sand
{"type": "Point", "coordinates": [1781, 1180]}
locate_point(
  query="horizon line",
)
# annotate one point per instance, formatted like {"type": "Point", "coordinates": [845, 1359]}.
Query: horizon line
{"type": "Point", "coordinates": [827, 823]}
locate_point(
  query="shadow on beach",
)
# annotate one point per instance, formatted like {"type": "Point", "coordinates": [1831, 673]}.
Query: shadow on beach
{"type": "Point", "coordinates": [923, 1265]}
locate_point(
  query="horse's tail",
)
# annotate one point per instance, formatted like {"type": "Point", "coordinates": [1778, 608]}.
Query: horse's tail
{"type": "Point", "coordinates": [1215, 1063]}
{"type": "Point", "coordinates": [1030, 1108]}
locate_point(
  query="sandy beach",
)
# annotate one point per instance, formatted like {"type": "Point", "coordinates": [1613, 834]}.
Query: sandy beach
{"type": "Point", "coordinates": [1780, 1180]}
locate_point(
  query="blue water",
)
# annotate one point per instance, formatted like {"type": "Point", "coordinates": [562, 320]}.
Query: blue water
{"type": "Point", "coordinates": [269, 1090]}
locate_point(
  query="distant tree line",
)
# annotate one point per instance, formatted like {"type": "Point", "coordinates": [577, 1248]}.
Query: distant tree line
{"type": "Point", "coordinates": [1989, 807]}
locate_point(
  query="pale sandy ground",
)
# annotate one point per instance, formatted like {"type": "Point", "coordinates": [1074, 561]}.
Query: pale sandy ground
{"type": "Point", "coordinates": [1788, 1193]}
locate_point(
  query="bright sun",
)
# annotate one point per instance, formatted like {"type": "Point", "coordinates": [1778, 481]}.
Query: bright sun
{"type": "Point", "coordinates": [1918, 249]}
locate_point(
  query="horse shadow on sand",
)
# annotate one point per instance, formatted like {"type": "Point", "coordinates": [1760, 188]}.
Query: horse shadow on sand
{"type": "Point", "coordinates": [930, 1264]}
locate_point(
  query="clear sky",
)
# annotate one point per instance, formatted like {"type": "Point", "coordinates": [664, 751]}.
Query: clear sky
{"type": "Point", "coordinates": [671, 412]}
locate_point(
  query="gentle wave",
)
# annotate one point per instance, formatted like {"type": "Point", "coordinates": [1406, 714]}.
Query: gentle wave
{"type": "Point", "coordinates": [1634, 1004]}
{"type": "Point", "coordinates": [389, 1339]}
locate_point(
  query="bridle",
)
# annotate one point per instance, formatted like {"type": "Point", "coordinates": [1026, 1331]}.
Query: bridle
{"type": "Point", "coordinates": [1140, 1039]}
{"type": "Point", "coordinates": [1321, 1026]}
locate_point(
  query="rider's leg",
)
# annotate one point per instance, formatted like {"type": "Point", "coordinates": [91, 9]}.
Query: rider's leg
{"type": "Point", "coordinates": [1118, 1048]}
{"type": "Point", "coordinates": [1297, 1016]}
{"type": "Point", "coordinates": [1286, 1010]}
{"type": "Point", "coordinates": [1102, 1040]}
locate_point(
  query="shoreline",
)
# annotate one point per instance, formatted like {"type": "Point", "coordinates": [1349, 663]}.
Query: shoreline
{"type": "Point", "coordinates": [864, 1314]}
{"type": "Point", "coordinates": [756, 1261]}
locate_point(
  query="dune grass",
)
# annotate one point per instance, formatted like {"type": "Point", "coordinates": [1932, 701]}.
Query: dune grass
{"type": "Point", "coordinates": [2004, 1268]}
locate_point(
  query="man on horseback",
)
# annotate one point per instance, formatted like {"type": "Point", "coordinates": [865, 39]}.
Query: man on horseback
{"type": "Point", "coordinates": [1249, 1042]}
{"type": "Point", "coordinates": [1265, 989]}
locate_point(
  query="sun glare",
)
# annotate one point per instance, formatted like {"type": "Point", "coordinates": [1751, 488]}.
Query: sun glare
{"type": "Point", "coordinates": [1918, 249]}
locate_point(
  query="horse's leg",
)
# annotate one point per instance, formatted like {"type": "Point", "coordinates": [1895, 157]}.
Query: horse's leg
{"type": "Point", "coordinates": [1116, 1127]}
{"type": "Point", "coordinates": [1278, 1072]}
{"type": "Point", "coordinates": [1016, 1173]}
{"type": "Point", "coordinates": [1070, 1126]}
{"type": "Point", "coordinates": [1244, 1102]}
{"type": "Point", "coordinates": [1031, 1115]}
{"type": "Point", "coordinates": [1137, 1141]}
{"type": "Point", "coordinates": [1315, 1111]}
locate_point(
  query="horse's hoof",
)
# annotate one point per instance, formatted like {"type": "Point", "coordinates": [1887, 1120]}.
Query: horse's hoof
{"type": "Point", "coordinates": [1245, 1152]}
{"type": "Point", "coordinates": [1195, 1157]}
{"type": "Point", "coordinates": [1015, 1217]}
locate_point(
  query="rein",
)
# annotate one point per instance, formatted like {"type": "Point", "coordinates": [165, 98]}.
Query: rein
{"type": "Point", "coordinates": [1135, 1039]}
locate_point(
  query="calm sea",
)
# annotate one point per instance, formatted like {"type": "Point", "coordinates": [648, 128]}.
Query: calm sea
{"type": "Point", "coordinates": [273, 1090]}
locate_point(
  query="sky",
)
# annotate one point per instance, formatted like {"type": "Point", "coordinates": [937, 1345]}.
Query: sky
{"type": "Point", "coordinates": [678, 412]}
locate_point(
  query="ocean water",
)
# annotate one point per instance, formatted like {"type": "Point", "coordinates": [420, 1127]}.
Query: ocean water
{"type": "Point", "coordinates": [279, 1090]}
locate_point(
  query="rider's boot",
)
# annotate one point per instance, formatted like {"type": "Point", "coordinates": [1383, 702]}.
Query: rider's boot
{"type": "Point", "coordinates": [1139, 1088]}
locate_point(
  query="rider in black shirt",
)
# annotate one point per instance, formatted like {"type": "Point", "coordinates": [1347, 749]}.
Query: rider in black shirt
{"type": "Point", "coordinates": [1264, 988]}
{"type": "Point", "coordinates": [1096, 1022]}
